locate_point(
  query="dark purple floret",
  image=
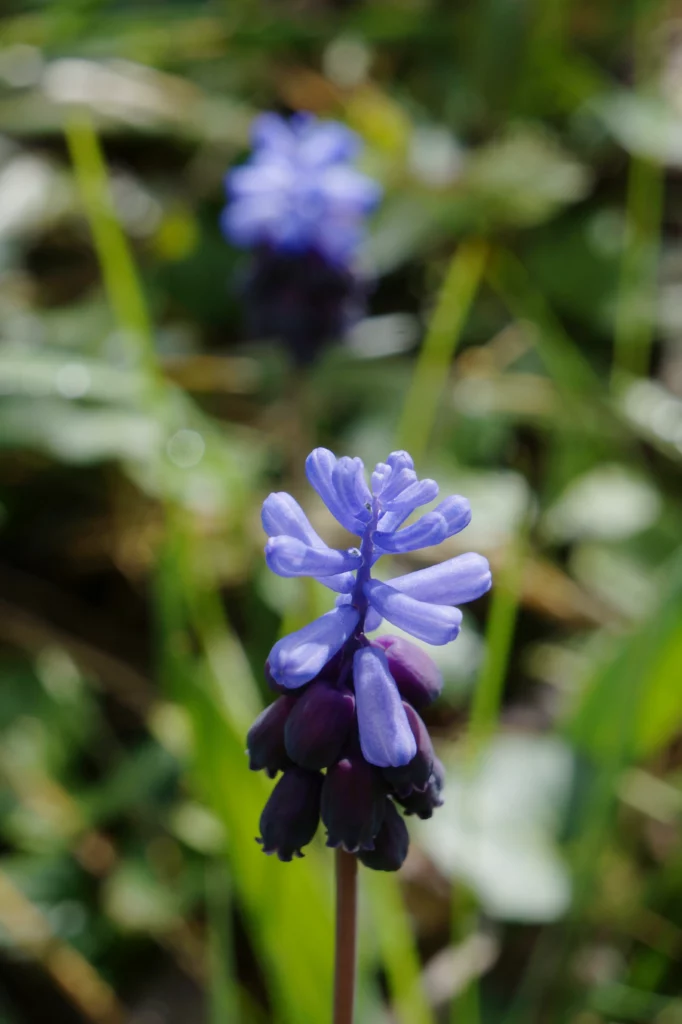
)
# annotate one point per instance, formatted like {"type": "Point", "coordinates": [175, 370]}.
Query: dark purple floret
{"type": "Point", "coordinates": [265, 739]}
{"type": "Point", "coordinates": [416, 774]}
{"type": "Point", "coordinates": [424, 804]}
{"type": "Point", "coordinates": [318, 727]}
{"type": "Point", "coordinates": [353, 804]}
{"type": "Point", "coordinates": [416, 674]}
{"type": "Point", "coordinates": [291, 815]}
{"type": "Point", "coordinates": [301, 298]}
{"type": "Point", "coordinates": [390, 844]}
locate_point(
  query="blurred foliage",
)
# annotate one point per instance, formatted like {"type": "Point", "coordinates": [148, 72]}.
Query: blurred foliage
{"type": "Point", "coordinates": [523, 339]}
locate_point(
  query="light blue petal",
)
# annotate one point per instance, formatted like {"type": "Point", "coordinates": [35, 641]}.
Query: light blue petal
{"type": "Point", "coordinates": [372, 620]}
{"type": "Point", "coordinates": [299, 657]}
{"type": "Point", "coordinates": [460, 579]}
{"type": "Point", "coordinates": [272, 132]}
{"type": "Point", "coordinates": [416, 494]}
{"type": "Point", "coordinates": [341, 583]}
{"type": "Point", "coordinates": [398, 481]}
{"type": "Point", "coordinates": [386, 739]}
{"type": "Point", "coordinates": [348, 190]}
{"type": "Point", "coordinates": [282, 515]}
{"type": "Point", "coordinates": [319, 467]}
{"type": "Point", "coordinates": [348, 479]}
{"type": "Point", "coordinates": [400, 459]}
{"type": "Point", "coordinates": [430, 529]}
{"type": "Point", "coordinates": [457, 512]}
{"type": "Point", "coordinates": [327, 143]}
{"type": "Point", "coordinates": [432, 623]}
{"type": "Point", "coordinates": [381, 473]}
{"type": "Point", "coordinates": [288, 556]}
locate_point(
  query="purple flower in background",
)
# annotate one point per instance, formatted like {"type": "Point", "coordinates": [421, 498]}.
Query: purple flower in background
{"type": "Point", "coordinates": [301, 207]}
{"type": "Point", "coordinates": [298, 192]}
{"type": "Point", "coordinates": [354, 699]}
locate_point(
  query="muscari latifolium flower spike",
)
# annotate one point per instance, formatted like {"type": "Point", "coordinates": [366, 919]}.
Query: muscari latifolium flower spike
{"type": "Point", "coordinates": [349, 706]}
{"type": "Point", "coordinates": [300, 206]}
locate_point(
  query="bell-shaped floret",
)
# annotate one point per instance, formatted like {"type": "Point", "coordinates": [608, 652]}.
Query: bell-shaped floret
{"type": "Point", "coordinates": [353, 803]}
{"type": "Point", "coordinates": [390, 843]}
{"type": "Point", "coordinates": [319, 725]}
{"type": "Point", "coordinates": [291, 815]}
{"type": "Point", "coordinates": [265, 739]}
{"type": "Point", "coordinates": [424, 804]}
{"type": "Point", "coordinates": [416, 675]}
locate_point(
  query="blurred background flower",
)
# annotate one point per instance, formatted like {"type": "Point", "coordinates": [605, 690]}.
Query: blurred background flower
{"type": "Point", "coordinates": [302, 208]}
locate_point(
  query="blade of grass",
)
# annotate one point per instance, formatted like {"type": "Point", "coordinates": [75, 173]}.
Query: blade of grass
{"type": "Point", "coordinates": [397, 948]}
{"type": "Point", "coordinates": [636, 303]}
{"type": "Point", "coordinates": [430, 374]}
{"type": "Point", "coordinates": [223, 992]}
{"type": "Point", "coordinates": [504, 604]}
{"type": "Point", "coordinates": [562, 359]}
{"type": "Point", "coordinates": [118, 268]}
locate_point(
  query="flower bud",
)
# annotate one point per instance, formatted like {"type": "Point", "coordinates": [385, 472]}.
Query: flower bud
{"type": "Point", "coordinates": [265, 738]}
{"type": "Point", "coordinates": [416, 773]}
{"type": "Point", "coordinates": [353, 803]}
{"type": "Point", "coordinates": [424, 804]}
{"type": "Point", "coordinates": [390, 844]}
{"type": "Point", "coordinates": [416, 675]}
{"type": "Point", "coordinates": [317, 728]}
{"type": "Point", "coordinates": [291, 815]}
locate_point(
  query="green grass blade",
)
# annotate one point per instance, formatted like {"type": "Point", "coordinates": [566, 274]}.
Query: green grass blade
{"type": "Point", "coordinates": [430, 375]}
{"type": "Point", "coordinates": [397, 948]}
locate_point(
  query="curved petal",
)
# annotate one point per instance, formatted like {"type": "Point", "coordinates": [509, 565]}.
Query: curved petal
{"type": "Point", "coordinates": [348, 479]}
{"type": "Point", "coordinates": [416, 494]}
{"type": "Point", "coordinates": [460, 579]}
{"type": "Point", "coordinates": [319, 467]}
{"type": "Point", "coordinates": [386, 738]}
{"type": "Point", "coordinates": [299, 657]}
{"type": "Point", "coordinates": [288, 556]}
{"type": "Point", "coordinates": [430, 529]}
{"type": "Point", "coordinates": [340, 583]}
{"type": "Point", "coordinates": [372, 619]}
{"type": "Point", "coordinates": [433, 623]}
{"type": "Point", "coordinates": [282, 515]}
{"type": "Point", "coordinates": [456, 511]}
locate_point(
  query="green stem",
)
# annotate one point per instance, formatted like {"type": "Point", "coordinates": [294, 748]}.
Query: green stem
{"type": "Point", "coordinates": [430, 374]}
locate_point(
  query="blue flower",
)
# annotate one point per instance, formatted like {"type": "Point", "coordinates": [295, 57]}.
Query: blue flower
{"type": "Point", "coordinates": [354, 708]}
{"type": "Point", "coordinates": [422, 603]}
{"type": "Point", "coordinates": [299, 192]}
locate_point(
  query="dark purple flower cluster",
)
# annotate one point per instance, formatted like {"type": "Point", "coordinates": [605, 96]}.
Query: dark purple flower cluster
{"type": "Point", "coordinates": [349, 706]}
{"type": "Point", "coordinates": [300, 206]}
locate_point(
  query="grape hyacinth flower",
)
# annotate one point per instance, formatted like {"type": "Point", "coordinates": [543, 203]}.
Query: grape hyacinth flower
{"type": "Point", "coordinates": [301, 207]}
{"type": "Point", "coordinates": [349, 705]}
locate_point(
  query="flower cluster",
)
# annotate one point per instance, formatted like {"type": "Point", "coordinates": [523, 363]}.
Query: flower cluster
{"type": "Point", "coordinates": [349, 705]}
{"type": "Point", "coordinates": [301, 206]}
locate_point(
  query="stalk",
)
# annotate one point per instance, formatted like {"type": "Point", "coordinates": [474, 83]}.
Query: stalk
{"type": "Point", "coordinates": [346, 931]}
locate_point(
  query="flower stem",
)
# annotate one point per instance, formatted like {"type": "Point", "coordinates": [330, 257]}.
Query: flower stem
{"type": "Point", "coordinates": [346, 918]}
